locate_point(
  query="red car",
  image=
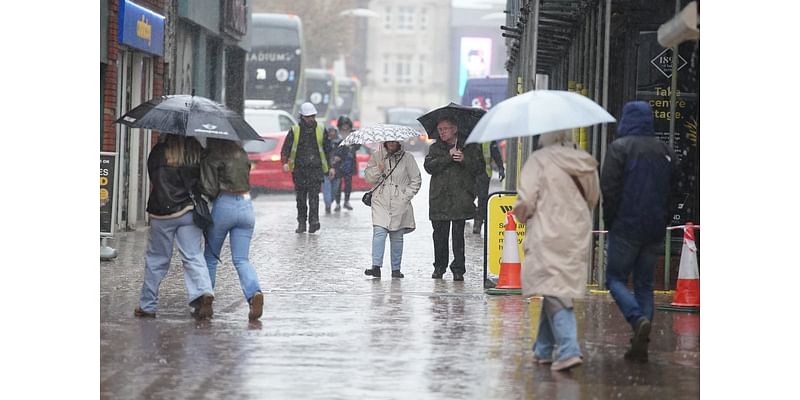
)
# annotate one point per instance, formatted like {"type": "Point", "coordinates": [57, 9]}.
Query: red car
{"type": "Point", "coordinates": [266, 173]}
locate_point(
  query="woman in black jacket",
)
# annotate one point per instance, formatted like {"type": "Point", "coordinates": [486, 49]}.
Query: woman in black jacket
{"type": "Point", "coordinates": [173, 167]}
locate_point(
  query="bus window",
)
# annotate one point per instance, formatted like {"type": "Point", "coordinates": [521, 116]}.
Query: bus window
{"type": "Point", "coordinates": [274, 64]}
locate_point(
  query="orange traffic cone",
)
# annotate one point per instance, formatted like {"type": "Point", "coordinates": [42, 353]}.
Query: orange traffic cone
{"type": "Point", "coordinates": [688, 290]}
{"type": "Point", "coordinates": [510, 265]}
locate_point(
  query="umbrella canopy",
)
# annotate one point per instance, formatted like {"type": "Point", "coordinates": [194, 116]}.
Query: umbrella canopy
{"type": "Point", "coordinates": [465, 118]}
{"type": "Point", "coordinates": [379, 133]}
{"type": "Point", "coordinates": [536, 112]}
{"type": "Point", "coordinates": [189, 115]}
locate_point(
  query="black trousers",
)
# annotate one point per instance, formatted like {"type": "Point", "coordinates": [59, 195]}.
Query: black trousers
{"type": "Point", "coordinates": [307, 184]}
{"type": "Point", "coordinates": [441, 234]}
{"type": "Point", "coordinates": [347, 181]}
{"type": "Point", "coordinates": [482, 189]}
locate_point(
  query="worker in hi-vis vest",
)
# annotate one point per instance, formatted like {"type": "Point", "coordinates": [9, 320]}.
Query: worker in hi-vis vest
{"type": "Point", "coordinates": [303, 154]}
{"type": "Point", "coordinates": [490, 152]}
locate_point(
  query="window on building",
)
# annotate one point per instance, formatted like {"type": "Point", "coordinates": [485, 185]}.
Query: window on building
{"type": "Point", "coordinates": [403, 68]}
{"type": "Point", "coordinates": [405, 18]}
{"type": "Point", "coordinates": [423, 19]}
{"type": "Point", "coordinates": [387, 19]}
{"type": "Point", "coordinates": [421, 77]}
{"type": "Point", "coordinates": [385, 69]}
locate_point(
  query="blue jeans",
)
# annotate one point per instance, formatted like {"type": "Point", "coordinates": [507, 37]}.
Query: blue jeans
{"type": "Point", "coordinates": [233, 214]}
{"type": "Point", "coordinates": [379, 243]}
{"type": "Point", "coordinates": [189, 238]}
{"type": "Point", "coordinates": [559, 329]}
{"type": "Point", "coordinates": [626, 256]}
{"type": "Point", "coordinates": [329, 190]}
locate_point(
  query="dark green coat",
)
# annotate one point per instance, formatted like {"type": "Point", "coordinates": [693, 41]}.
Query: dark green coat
{"type": "Point", "coordinates": [452, 190]}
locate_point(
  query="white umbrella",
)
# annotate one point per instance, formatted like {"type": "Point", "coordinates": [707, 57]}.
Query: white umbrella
{"type": "Point", "coordinates": [359, 12]}
{"type": "Point", "coordinates": [379, 133]}
{"type": "Point", "coordinates": [536, 112]}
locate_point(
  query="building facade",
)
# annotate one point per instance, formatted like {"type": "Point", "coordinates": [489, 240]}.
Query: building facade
{"type": "Point", "coordinates": [151, 48]}
{"type": "Point", "coordinates": [408, 56]}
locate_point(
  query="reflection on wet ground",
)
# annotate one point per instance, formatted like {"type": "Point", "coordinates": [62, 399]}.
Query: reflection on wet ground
{"type": "Point", "coordinates": [329, 331]}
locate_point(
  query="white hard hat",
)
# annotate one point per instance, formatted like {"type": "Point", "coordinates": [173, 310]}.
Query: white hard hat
{"type": "Point", "coordinates": [307, 109]}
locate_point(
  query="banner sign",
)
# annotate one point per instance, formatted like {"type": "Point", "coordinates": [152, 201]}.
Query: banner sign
{"type": "Point", "coordinates": [499, 204]}
{"type": "Point", "coordinates": [141, 28]}
{"type": "Point", "coordinates": [107, 175]}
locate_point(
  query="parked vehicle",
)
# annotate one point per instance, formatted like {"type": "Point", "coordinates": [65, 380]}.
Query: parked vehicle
{"type": "Point", "coordinates": [266, 172]}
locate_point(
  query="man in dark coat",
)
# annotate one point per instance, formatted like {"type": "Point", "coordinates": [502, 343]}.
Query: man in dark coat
{"type": "Point", "coordinates": [303, 154]}
{"type": "Point", "coordinates": [637, 181]}
{"type": "Point", "coordinates": [453, 169]}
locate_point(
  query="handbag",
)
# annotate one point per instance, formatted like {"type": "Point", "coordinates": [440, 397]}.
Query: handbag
{"type": "Point", "coordinates": [367, 198]}
{"type": "Point", "coordinates": [202, 214]}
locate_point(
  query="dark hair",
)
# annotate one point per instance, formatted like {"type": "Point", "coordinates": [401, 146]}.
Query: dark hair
{"type": "Point", "coordinates": [344, 120]}
{"type": "Point", "coordinates": [448, 119]}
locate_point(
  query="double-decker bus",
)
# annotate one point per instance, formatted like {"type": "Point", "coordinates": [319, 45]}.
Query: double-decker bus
{"type": "Point", "coordinates": [348, 100]}
{"type": "Point", "coordinates": [320, 90]}
{"type": "Point", "coordinates": [274, 65]}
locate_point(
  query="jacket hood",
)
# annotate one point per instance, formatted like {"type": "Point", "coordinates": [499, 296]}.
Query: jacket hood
{"type": "Point", "coordinates": [573, 161]}
{"type": "Point", "coordinates": [637, 120]}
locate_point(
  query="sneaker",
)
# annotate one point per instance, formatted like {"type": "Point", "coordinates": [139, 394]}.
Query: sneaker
{"type": "Point", "coordinates": [458, 277]}
{"type": "Point", "coordinates": [397, 274]}
{"type": "Point", "coordinates": [375, 271]}
{"type": "Point", "coordinates": [313, 228]}
{"type": "Point", "coordinates": [564, 365]}
{"type": "Point", "coordinates": [256, 306]}
{"type": "Point", "coordinates": [301, 227]}
{"type": "Point", "coordinates": [347, 205]}
{"type": "Point", "coordinates": [204, 310]}
{"type": "Point", "coordinates": [143, 314]}
{"type": "Point", "coordinates": [438, 273]}
{"type": "Point", "coordinates": [542, 361]}
{"type": "Point", "coordinates": [337, 208]}
{"type": "Point", "coordinates": [640, 340]}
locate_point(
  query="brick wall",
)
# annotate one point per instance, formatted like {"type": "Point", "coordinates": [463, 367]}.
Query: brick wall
{"type": "Point", "coordinates": [110, 112]}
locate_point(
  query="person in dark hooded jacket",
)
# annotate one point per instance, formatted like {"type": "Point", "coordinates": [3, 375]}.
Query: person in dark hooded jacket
{"type": "Point", "coordinates": [637, 179]}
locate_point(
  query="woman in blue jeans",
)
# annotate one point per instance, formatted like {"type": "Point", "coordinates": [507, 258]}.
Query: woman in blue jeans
{"type": "Point", "coordinates": [397, 176]}
{"type": "Point", "coordinates": [558, 188]}
{"type": "Point", "coordinates": [173, 167]}
{"type": "Point", "coordinates": [225, 178]}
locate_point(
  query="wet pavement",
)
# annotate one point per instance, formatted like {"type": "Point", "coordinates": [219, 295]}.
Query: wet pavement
{"type": "Point", "coordinates": [330, 332]}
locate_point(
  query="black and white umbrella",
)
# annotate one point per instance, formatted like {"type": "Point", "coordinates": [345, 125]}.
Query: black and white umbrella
{"type": "Point", "coordinates": [380, 133]}
{"type": "Point", "coordinates": [189, 115]}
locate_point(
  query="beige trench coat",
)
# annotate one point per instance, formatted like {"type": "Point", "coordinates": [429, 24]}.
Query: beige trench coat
{"type": "Point", "coordinates": [558, 221]}
{"type": "Point", "coordinates": [391, 202]}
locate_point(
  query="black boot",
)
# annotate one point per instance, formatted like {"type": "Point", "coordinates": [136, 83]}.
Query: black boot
{"type": "Point", "coordinates": [301, 227]}
{"type": "Point", "coordinates": [313, 227]}
{"type": "Point", "coordinates": [397, 274]}
{"type": "Point", "coordinates": [476, 227]}
{"type": "Point", "coordinates": [438, 272]}
{"type": "Point", "coordinates": [375, 271]}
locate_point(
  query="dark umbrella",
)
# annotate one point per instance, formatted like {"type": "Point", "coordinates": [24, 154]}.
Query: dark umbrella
{"type": "Point", "coordinates": [189, 115]}
{"type": "Point", "coordinates": [465, 117]}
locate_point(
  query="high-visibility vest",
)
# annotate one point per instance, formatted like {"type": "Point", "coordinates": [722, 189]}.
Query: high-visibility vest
{"type": "Point", "coordinates": [293, 154]}
{"type": "Point", "coordinates": [487, 157]}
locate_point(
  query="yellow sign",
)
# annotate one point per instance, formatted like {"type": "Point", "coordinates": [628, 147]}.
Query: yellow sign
{"type": "Point", "coordinates": [144, 30]}
{"type": "Point", "coordinates": [499, 204]}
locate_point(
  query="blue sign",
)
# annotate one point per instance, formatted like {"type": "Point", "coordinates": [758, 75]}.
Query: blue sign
{"type": "Point", "coordinates": [141, 28]}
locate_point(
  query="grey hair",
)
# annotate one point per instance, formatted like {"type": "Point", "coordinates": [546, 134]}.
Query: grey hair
{"type": "Point", "coordinates": [556, 137]}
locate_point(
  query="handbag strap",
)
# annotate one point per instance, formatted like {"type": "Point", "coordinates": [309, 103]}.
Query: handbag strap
{"type": "Point", "coordinates": [578, 184]}
{"type": "Point", "coordinates": [390, 173]}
